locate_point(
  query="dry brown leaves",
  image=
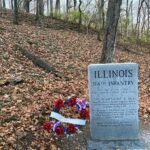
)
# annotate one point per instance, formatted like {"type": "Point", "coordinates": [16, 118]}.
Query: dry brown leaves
{"type": "Point", "coordinates": [23, 107]}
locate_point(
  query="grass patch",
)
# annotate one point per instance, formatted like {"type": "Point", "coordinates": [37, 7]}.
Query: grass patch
{"type": "Point", "coordinates": [10, 119]}
{"type": "Point", "coordinates": [69, 67]}
{"type": "Point", "coordinates": [2, 28]}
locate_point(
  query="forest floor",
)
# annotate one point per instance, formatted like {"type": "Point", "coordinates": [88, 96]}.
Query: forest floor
{"type": "Point", "coordinates": [27, 92]}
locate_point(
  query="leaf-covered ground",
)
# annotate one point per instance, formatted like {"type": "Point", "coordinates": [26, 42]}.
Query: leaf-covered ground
{"type": "Point", "coordinates": [24, 105]}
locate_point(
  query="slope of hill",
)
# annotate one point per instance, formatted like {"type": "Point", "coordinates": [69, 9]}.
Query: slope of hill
{"type": "Point", "coordinates": [27, 92]}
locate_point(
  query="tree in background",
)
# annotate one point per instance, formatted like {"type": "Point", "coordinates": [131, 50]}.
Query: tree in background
{"type": "Point", "coordinates": [143, 19]}
{"type": "Point", "coordinates": [113, 14]}
{"type": "Point", "coordinates": [134, 22]}
{"type": "Point", "coordinates": [26, 5]}
{"type": "Point", "coordinates": [127, 17]}
{"type": "Point", "coordinates": [48, 7]}
{"type": "Point", "coordinates": [0, 3]}
{"type": "Point", "coordinates": [51, 8]}
{"type": "Point", "coordinates": [80, 14]}
{"type": "Point", "coordinates": [12, 4]}
{"type": "Point", "coordinates": [101, 20]}
{"type": "Point", "coordinates": [148, 19]}
{"type": "Point", "coordinates": [57, 8]}
{"type": "Point", "coordinates": [130, 18]}
{"type": "Point", "coordinates": [67, 6]}
{"type": "Point", "coordinates": [4, 4]}
{"type": "Point", "coordinates": [15, 20]}
{"type": "Point", "coordinates": [138, 22]}
{"type": "Point", "coordinates": [75, 4]}
{"type": "Point", "coordinates": [39, 9]}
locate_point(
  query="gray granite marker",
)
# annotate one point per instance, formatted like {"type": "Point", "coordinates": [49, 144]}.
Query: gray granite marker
{"type": "Point", "coordinates": [113, 94]}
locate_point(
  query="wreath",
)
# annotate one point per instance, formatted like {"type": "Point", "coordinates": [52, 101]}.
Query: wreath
{"type": "Point", "coordinates": [60, 128]}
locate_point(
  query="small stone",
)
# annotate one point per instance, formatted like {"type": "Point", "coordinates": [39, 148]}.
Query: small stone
{"type": "Point", "coordinates": [83, 148]}
{"type": "Point", "coordinates": [6, 56]}
{"type": "Point", "coordinates": [19, 101]}
{"type": "Point", "coordinates": [145, 116]}
{"type": "Point", "coordinates": [3, 143]}
{"type": "Point", "coordinates": [21, 134]}
{"type": "Point", "coordinates": [148, 109]}
{"type": "Point", "coordinates": [53, 147]}
{"type": "Point", "coordinates": [2, 134]}
{"type": "Point", "coordinates": [11, 140]}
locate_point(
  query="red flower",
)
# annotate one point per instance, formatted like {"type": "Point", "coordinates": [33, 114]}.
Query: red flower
{"type": "Point", "coordinates": [84, 113]}
{"type": "Point", "coordinates": [72, 101]}
{"type": "Point", "coordinates": [59, 103]}
{"type": "Point", "coordinates": [71, 128]}
{"type": "Point", "coordinates": [59, 130]}
{"type": "Point", "coordinates": [47, 126]}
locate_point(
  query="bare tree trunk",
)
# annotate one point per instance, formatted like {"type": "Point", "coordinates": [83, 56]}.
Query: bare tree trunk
{"type": "Point", "coordinates": [148, 29]}
{"type": "Point", "coordinates": [101, 20]}
{"type": "Point", "coordinates": [41, 7]}
{"type": "Point", "coordinates": [103, 14]}
{"type": "Point", "coordinates": [113, 14]}
{"type": "Point", "coordinates": [35, 5]}
{"type": "Point", "coordinates": [47, 7]}
{"type": "Point", "coordinates": [27, 5]}
{"type": "Point", "coordinates": [37, 10]}
{"type": "Point", "coordinates": [12, 4]}
{"type": "Point", "coordinates": [67, 6]}
{"type": "Point", "coordinates": [137, 26]}
{"type": "Point", "coordinates": [57, 7]}
{"type": "Point", "coordinates": [148, 18]}
{"type": "Point", "coordinates": [144, 21]}
{"type": "Point", "coordinates": [80, 16]}
{"type": "Point", "coordinates": [51, 8]}
{"type": "Point", "coordinates": [131, 15]}
{"type": "Point", "coordinates": [15, 20]}
{"type": "Point", "coordinates": [75, 4]}
{"type": "Point", "coordinates": [127, 17]}
{"type": "Point", "coordinates": [4, 4]}
{"type": "Point", "coordinates": [0, 3]}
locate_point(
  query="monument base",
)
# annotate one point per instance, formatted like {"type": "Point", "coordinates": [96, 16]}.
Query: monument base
{"type": "Point", "coordinates": [137, 144]}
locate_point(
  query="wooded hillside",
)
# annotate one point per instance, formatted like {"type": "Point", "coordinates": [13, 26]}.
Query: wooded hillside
{"type": "Point", "coordinates": [27, 92]}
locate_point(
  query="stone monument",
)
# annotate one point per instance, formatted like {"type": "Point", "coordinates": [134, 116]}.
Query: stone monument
{"type": "Point", "coordinates": [113, 94]}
